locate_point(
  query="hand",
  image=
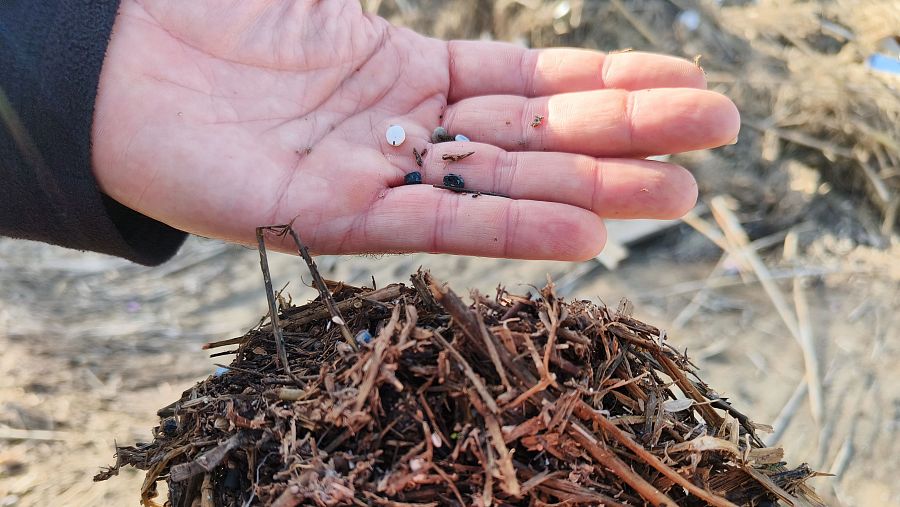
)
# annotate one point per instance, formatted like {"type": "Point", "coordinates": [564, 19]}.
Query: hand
{"type": "Point", "coordinates": [217, 119]}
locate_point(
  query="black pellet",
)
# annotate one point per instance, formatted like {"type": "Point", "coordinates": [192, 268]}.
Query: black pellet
{"type": "Point", "coordinates": [440, 135]}
{"type": "Point", "coordinates": [232, 480]}
{"type": "Point", "coordinates": [413, 178]}
{"type": "Point", "coordinates": [454, 181]}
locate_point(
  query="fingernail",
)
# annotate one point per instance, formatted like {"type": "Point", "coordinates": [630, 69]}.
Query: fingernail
{"type": "Point", "coordinates": [733, 141]}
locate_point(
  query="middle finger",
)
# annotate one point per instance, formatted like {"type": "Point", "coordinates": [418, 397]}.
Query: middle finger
{"type": "Point", "coordinates": [600, 123]}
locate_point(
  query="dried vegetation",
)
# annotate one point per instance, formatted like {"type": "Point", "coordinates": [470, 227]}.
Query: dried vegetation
{"type": "Point", "coordinates": [510, 400]}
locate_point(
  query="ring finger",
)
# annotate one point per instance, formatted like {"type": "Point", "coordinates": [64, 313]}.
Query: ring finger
{"type": "Point", "coordinates": [611, 188]}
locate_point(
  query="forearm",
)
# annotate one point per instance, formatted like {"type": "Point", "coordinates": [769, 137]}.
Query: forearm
{"type": "Point", "coordinates": [51, 53]}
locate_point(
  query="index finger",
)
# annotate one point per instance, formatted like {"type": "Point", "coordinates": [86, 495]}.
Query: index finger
{"type": "Point", "coordinates": [495, 68]}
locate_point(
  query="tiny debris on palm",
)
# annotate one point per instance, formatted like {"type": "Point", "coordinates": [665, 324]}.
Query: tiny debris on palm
{"type": "Point", "coordinates": [456, 157]}
{"type": "Point", "coordinates": [508, 400]}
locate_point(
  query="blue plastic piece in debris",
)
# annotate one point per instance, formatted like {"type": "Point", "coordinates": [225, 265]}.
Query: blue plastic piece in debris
{"type": "Point", "coordinates": [363, 336]}
{"type": "Point", "coordinates": [221, 370]}
{"type": "Point", "coordinates": [883, 63]}
{"type": "Point", "coordinates": [461, 138]}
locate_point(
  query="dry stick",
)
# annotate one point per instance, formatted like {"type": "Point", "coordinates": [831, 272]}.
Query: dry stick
{"type": "Point", "coordinates": [469, 372]}
{"type": "Point", "coordinates": [545, 382]}
{"type": "Point", "coordinates": [455, 307]}
{"type": "Point", "coordinates": [769, 484]}
{"type": "Point", "coordinates": [807, 341]}
{"type": "Point", "coordinates": [388, 293]}
{"type": "Point", "coordinates": [702, 226]}
{"type": "Point", "coordinates": [688, 312]}
{"type": "Point", "coordinates": [290, 497]}
{"type": "Point", "coordinates": [148, 487]}
{"type": "Point", "coordinates": [672, 370]}
{"type": "Point", "coordinates": [320, 284]}
{"type": "Point", "coordinates": [449, 482]}
{"type": "Point", "coordinates": [207, 461]}
{"type": "Point", "coordinates": [729, 281]}
{"type": "Point", "coordinates": [508, 472]}
{"type": "Point", "coordinates": [783, 420]}
{"type": "Point", "coordinates": [7, 433]}
{"type": "Point", "coordinates": [609, 460]}
{"type": "Point", "coordinates": [584, 411]}
{"type": "Point", "coordinates": [270, 296]}
{"type": "Point", "coordinates": [713, 234]}
{"type": "Point", "coordinates": [736, 236]}
{"type": "Point", "coordinates": [688, 388]}
{"type": "Point", "coordinates": [707, 229]}
{"type": "Point", "coordinates": [492, 352]}
{"type": "Point", "coordinates": [382, 342]}
{"type": "Point", "coordinates": [551, 340]}
{"type": "Point", "coordinates": [547, 483]}
{"type": "Point", "coordinates": [452, 304]}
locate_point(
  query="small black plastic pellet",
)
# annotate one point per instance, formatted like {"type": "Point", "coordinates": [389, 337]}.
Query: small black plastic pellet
{"type": "Point", "coordinates": [440, 135]}
{"type": "Point", "coordinates": [413, 178]}
{"type": "Point", "coordinates": [454, 181]}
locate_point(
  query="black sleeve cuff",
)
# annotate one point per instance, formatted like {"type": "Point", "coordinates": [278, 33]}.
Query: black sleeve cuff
{"type": "Point", "coordinates": [51, 53]}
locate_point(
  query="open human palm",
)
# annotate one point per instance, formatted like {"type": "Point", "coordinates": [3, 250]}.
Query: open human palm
{"type": "Point", "coordinates": [218, 119]}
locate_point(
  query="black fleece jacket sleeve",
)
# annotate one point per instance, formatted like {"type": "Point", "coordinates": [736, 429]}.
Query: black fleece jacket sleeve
{"type": "Point", "coordinates": [51, 53]}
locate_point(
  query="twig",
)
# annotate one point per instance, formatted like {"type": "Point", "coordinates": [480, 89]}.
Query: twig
{"type": "Point", "coordinates": [207, 461]}
{"type": "Point", "coordinates": [769, 484]}
{"type": "Point", "coordinates": [688, 312]}
{"type": "Point", "coordinates": [680, 288]}
{"type": "Point", "coordinates": [784, 418]}
{"type": "Point", "coordinates": [609, 460]}
{"type": "Point", "coordinates": [301, 315]}
{"type": "Point", "coordinates": [584, 411]}
{"type": "Point", "coordinates": [475, 193]}
{"type": "Point", "coordinates": [290, 497]}
{"type": "Point", "coordinates": [270, 296]}
{"type": "Point", "coordinates": [452, 304]}
{"type": "Point", "coordinates": [697, 301]}
{"type": "Point", "coordinates": [7, 433]}
{"type": "Point", "coordinates": [807, 341]}
{"type": "Point", "coordinates": [508, 472]}
{"type": "Point", "coordinates": [738, 238]}
{"type": "Point", "coordinates": [492, 352]}
{"type": "Point", "coordinates": [456, 157]}
{"type": "Point", "coordinates": [828, 149]}
{"type": "Point", "coordinates": [545, 382]}
{"type": "Point", "coordinates": [317, 279]}
{"type": "Point", "coordinates": [469, 372]}
{"type": "Point", "coordinates": [374, 364]}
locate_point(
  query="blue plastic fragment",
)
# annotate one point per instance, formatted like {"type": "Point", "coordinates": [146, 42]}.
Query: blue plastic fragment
{"type": "Point", "coordinates": [883, 63]}
{"type": "Point", "coordinates": [363, 337]}
{"type": "Point", "coordinates": [221, 370]}
{"type": "Point", "coordinates": [170, 426]}
{"type": "Point", "coordinates": [461, 138]}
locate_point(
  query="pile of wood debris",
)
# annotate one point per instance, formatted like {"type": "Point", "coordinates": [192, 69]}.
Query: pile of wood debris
{"type": "Point", "coordinates": [406, 395]}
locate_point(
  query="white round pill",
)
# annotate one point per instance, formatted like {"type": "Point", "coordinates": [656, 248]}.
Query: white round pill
{"type": "Point", "coordinates": [461, 138]}
{"type": "Point", "coordinates": [395, 135]}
